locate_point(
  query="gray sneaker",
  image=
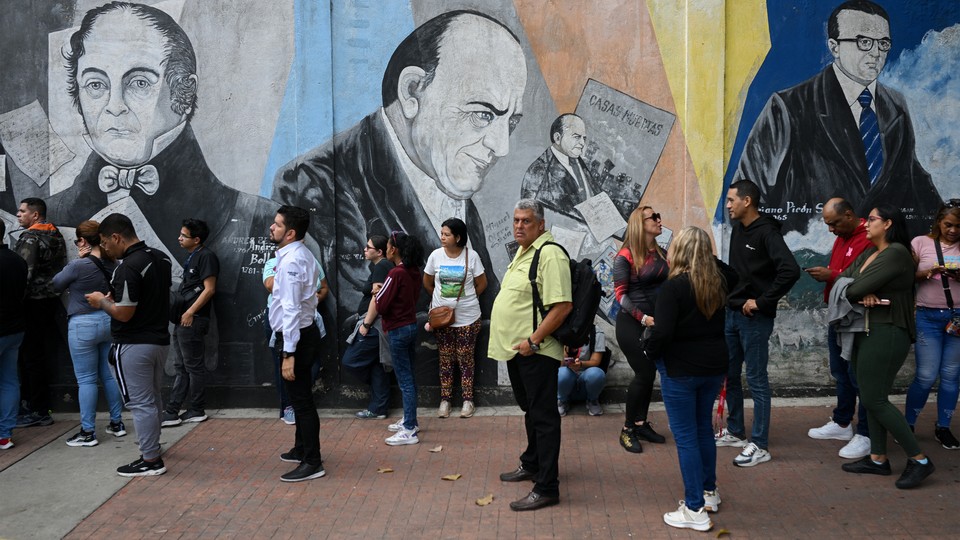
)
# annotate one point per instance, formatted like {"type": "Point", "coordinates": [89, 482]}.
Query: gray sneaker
{"type": "Point", "coordinates": [594, 408]}
{"type": "Point", "coordinates": [562, 407]}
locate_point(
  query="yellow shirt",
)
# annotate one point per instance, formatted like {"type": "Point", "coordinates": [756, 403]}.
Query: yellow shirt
{"type": "Point", "coordinates": [512, 318]}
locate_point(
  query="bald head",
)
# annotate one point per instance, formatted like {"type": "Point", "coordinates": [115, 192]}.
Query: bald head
{"type": "Point", "coordinates": [839, 217]}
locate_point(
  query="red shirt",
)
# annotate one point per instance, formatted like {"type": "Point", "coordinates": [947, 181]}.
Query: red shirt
{"type": "Point", "coordinates": [397, 300]}
{"type": "Point", "coordinates": [845, 251]}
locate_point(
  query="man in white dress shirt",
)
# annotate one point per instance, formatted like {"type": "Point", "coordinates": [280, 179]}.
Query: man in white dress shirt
{"type": "Point", "coordinates": [292, 312]}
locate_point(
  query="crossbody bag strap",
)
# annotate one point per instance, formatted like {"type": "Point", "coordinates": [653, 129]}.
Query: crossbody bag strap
{"type": "Point", "coordinates": [466, 268]}
{"type": "Point", "coordinates": [103, 270]}
{"type": "Point", "coordinates": [943, 277]}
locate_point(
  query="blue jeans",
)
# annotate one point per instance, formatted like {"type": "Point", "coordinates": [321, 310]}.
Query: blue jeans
{"type": "Point", "coordinates": [586, 385]}
{"type": "Point", "coordinates": [748, 340]}
{"type": "Point", "coordinates": [403, 347]}
{"type": "Point", "coordinates": [938, 354]}
{"type": "Point", "coordinates": [9, 383]}
{"type": "Point", "coordinates": [689, 402]}
{"type": "Point", "coordinates": [362, 361]}
{"type": "Point", "coordinates": [88, 335]}
{"type": "Point", "coordinates": [847, 390]}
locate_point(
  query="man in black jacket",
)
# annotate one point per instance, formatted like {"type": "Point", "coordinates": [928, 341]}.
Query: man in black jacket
{"type": "Point", "coordinates": [767, 271]}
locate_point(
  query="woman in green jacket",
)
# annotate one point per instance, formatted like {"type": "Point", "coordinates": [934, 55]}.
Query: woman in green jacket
{"type": "Point", "coordinates": [883, 282]}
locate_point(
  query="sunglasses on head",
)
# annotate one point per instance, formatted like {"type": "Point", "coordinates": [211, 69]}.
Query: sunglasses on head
{"type": "Point", "coordinates": [952, 203]}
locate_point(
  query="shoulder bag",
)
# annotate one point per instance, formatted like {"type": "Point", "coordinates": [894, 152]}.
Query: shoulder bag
{"type": "Point", "coordinates": [953, 325]}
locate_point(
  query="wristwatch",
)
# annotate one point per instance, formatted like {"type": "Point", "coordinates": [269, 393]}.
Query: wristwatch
{"type": "Point", "coordinates": [533, 346]}
{"type": "Point", "coordinates": [286, 354]}
{"type": "Point", "coordinates": [365, 325]}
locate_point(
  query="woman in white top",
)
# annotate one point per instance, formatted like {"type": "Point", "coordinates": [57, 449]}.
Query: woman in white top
{"type": "Point", "coordinates": [937, 353]}
{"type": "Point", "coordinates": [449, 268]}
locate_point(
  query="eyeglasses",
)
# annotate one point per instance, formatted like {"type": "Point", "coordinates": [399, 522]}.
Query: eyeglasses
{"type": "Point", "coordinates": [77, 241]}
{"type": "Point", "coordinates": [368, 247]}
{"type": "Point", "coordinates": [865, 43]}
{"type": "Point", "coordinates": [654, 216]}
{"type": "Point", "coordinates": [874, 218]}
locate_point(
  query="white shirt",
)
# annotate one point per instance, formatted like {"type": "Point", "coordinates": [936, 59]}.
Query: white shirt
{"type": "Point", "coordinates": [294, 293]}
{"type": "Point", "coordinates": [565, 161]}
{"type": "Point", "coordinates": [438, 205]}
{"type": "Point", "coordinates": [852, 90]}
{"type": "Point", "coordinates": [447, 274]}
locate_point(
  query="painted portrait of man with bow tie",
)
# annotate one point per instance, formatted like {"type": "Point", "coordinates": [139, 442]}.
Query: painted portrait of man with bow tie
{"type": "Point", "coordinates": [132, 75]}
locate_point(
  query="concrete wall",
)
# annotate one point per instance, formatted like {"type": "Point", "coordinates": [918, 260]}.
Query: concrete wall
{"type": "Point", "coordinates": [288, 109]}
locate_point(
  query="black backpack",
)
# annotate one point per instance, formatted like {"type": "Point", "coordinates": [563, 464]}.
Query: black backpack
{"type": "Point", "coordinates": [586, 294]}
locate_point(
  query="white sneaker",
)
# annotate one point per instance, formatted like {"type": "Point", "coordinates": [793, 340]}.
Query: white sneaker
{"type": "Point", "coordinates": [467, 410]}
{"type": "Point", "coordinates": [684, 518]}
{"type": "Point", "coordinates": [858, 447]}
{"type": "Point", "coordinates": [711, 500]}
{"type": "Point", "coordinates": [751, 455]}
{"type": "Point", "coordinates": [398, 426]}
{"type": "Point", "coordinates": [832, 430]}
{"type": "Point", "coordinates": [404, 436]}
{"type": "Point", "coordinates": [444, 411]}
{"type": "Point", "coordinates": [724, 438]}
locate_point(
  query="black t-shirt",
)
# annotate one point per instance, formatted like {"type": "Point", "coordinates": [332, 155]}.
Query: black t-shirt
{"type": "Point", "coordinates": [200, 265]}
{"type": "Point", "coordinates": [378, 274]}
{"type": "Point", "coordinates": [142, 279]}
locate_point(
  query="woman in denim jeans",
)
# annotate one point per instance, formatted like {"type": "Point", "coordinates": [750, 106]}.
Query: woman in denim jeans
{"type": "Point", "coordinates": [88, 333]}
{"type": "Point", "coordinates": [396, 303]}
{"type": "Point", "coordinates": [689, 337]}
{"type": "Point", "coordinates": [937, 353]}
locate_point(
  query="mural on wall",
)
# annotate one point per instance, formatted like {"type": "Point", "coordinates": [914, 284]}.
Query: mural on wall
{"type": "Point", "coordinates": [418, 159]}
{"type": "Point", "coordinates": [840, 133]}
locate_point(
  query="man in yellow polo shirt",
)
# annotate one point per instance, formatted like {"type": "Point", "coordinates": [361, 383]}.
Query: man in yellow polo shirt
{"type": "Point", "coordinates": [532, 354]}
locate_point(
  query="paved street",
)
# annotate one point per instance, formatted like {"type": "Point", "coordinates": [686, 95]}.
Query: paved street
{"type": "Point", "coordinates": [223, 482]}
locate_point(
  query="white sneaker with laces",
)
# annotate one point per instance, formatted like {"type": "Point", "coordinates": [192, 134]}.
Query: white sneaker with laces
{"type": "Point", "coordinates": [398, 427]}
{"type": "Point", "coordinates": [404, 436]}
{"type": "Point", "coordinates": [711, 500]}
{"type": "Point", "coordinates": [751, 455]}
{"type": "Point", "coordinates": [858, 447]}
{"type": "Point", "coordinates": [724, 438]}
{"type": "Point", "coordinates": [685, 518]}
{"type": "Point", "coordinates": [831, 430]}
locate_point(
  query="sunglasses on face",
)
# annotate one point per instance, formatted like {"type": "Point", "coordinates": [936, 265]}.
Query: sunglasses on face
{"type": "Point", "coordinates": [654, 216]}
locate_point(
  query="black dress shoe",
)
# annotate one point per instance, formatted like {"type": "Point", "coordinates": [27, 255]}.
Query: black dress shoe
{"type": "Point", "coordinates": [518, 475]}
{"type": "Point", "coordinates": [304, 472]}
{"type": "Point", "coordinates": [647, 433]}
{"type": "Point", "coordinates": [533, 501]}
{"type": "Point", "coordinates": [865, 465]}
{"type": "Point", "coordinates": [914, 473]}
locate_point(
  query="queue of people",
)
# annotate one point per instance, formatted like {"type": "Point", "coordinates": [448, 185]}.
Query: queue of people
{"type": "Point", "coordinates": [690, 317]}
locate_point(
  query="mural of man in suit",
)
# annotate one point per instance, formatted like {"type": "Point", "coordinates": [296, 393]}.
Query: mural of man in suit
{"type": "Point", "coordinates": [841, 133]}
{"type": "Point", "coordinates": [132, 74]}
{"type": "Point", "coordinates": [559, 178]}
{"type": "Point", "coordinates": [452, 94]}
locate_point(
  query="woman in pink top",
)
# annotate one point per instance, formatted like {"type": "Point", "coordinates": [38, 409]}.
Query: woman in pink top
{"type": "Point", "coordinates": [937, 353]}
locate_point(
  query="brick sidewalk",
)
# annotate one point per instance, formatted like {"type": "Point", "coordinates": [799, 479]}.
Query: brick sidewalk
{"type": "Point", "coordinates": [223, 481]}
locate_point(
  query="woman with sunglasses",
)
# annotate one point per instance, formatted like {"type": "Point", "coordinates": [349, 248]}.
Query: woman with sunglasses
{"type": "Point", "coordinates": [88, 333]}
{"type": "Point", "coordinates": [455, 279]}
{"type": "Point", "coordinates": [396, 303]}
{"type": "Point", "coordinates": [937, 353]}
{"type": "Point", "coordinates": [638, 271]}
{"type": "Point", "coordinates": [883, 277]}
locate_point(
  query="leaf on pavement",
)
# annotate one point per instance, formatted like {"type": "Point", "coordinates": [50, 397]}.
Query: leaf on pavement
{"type": "Point", "coordinates": [436, 449]}
{"type": "Point", "coordinates": [483, 501]}
{"type": "Point", "coordinates": [451, 477]}
{"type": "Point", "coordinates": [723, 532]}
{"type": "Point", "coordinates": [382, 470]}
